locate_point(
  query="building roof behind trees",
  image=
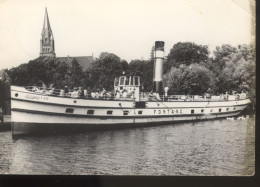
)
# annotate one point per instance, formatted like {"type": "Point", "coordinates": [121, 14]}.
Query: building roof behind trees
{"type": "Point", "coordinates": [84, 61]}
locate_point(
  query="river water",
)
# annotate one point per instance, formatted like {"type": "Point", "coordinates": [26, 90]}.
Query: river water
{"type": "Point", "coordinates": [219, 147]}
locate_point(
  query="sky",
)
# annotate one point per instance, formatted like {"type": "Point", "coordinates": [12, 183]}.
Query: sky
{"type": "Point", "coordinates": [127, 28]}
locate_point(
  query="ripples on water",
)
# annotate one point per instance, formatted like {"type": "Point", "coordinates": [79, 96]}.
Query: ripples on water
{"type": "Point", "coordinates": [218, 147]}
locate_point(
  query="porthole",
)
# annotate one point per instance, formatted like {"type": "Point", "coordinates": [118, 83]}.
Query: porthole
{"type": "Point", "coordinates": [202, 110]}
{"type": "Point", "coordinates": [69, 110]}
{"type": "Point", "coordinates": [211, 110]}
{"type": "Point", "coordinates": [126, 113]}
{"type": "Point", "coordinates": [16, 95]}
{"type": "Point", "coordinates": [109, 112]}
{"type": "Point", "coordinates": [140, 112]}
{"type": "Point", "coordinates": [90, 112]}
{"type": "Point", "coordinates": [234, 108]}
{"type": "Point", "coordinates": [74, 101]}
{"type": "Point", "coordinates": [227, 109]}
{"type": "Point", "coordinates": [219, 110]}
{"type": "Point", "coordinates": [192, 111]}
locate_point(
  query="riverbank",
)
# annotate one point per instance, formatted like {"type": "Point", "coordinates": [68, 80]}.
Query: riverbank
{"type": "Point", "coordinates": [6, 125]}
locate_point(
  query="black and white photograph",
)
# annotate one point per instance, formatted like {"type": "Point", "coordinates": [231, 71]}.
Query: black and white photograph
{"type": "Point", "coordinates": [127, 88]}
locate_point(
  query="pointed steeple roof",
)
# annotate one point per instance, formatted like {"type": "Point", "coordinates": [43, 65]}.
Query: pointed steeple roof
{"type": "Point", "coordinates": [46, 23]}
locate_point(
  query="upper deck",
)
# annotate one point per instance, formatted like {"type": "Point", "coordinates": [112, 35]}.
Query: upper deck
{"type": "Point", "coordinates": [117, 96]}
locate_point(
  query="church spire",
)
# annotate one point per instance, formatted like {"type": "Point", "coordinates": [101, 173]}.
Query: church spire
{"type": "Point", "coordinates": [47, 39]}
{"type": "Point", "coordinates": [46, 23]}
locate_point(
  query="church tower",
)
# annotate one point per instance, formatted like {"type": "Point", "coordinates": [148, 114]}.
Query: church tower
{"type": "Point", "coordinates": [47, 40]}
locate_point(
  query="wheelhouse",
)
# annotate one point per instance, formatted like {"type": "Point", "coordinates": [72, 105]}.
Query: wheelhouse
{"type": "Point", "coordinates": [129, 82]}
{"type": "Point", "coordinates": [127, 86]}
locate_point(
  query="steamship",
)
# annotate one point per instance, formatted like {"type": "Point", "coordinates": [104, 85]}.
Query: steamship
{"type": "Point", "coordinates": [35, 112]}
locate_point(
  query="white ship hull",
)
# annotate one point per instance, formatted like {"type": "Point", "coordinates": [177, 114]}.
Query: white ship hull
{"type": "Point", "coordinates": [34, 113]}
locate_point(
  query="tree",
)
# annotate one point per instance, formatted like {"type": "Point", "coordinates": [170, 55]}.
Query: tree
{"type": "Point", "coordinates": [145, 69]}
{"type": "Point", "coordinates": [224, 51]}
{"type": "Point", "coordinates": [223, 54]}
{"type": "Point", "coordinates": [47, 70]}
{"type": "Point", "coordinates": [125, 65]}
{"type": "Point", "coordinates": [103, 70]}
{"type": "Point", "coordinates": [186, 53]}
{"type": "Point", "coordinates": [192, 79]}
{"type": "Point", "coordinates": [2, 93]}
{"type": "Point", "coordinates": [236, 68]}
{"type": "Point", "coordinates": [152, 53]}
{"type": "Point", "coordinates": [61, 71]}
{"type": "Point", "coordinates": [75, 77]}
{"type": "Point", "coordinates": [19, 75]}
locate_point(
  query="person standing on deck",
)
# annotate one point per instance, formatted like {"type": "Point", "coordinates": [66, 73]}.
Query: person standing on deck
{"type": "Point", "coordinates": [166, 91]}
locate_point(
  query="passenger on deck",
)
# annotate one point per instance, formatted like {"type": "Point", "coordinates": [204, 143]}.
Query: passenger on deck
{"type": "Point", "coordinates": [166, 91]}
{"type": "Point", "coordinates": [34, 88]}
{"type": "Point", "coordinates": [42, 85]}
{"type": "Point", "coordinates": [85, 93]}
{"type": "Point", "coordinates": [108, 94]}
{"type": "Point", "coordinates": [226, 96]}
{"type": "Point", "coordinates": [103, 92]}
{"type": "Point", "coordinates": [93, 95]}
{"type": "Point", "coordinates": [66, 90]}
{"type": "Point", "coordinates": [62, 93]}
{"type": "Point", "coordinates": [75, 93]}
{"type": "Point", "coordinates": [132, 94]}
{"type": "Point", "coordinates": [158, 96]}
{"type": "Point", "coordinates": [97, 94]}
{"type": "Point", "coordinates": [51, 91]}
{"type": "Point", "coordinates": [124, 94]}
{"type": "Point", "coordinates": [51, 86]}
{"type": "Point", "coordinates": [80, 92]}
{"type": "Point", "coordinates": [208, 93]}
{"type": "Point", "coordinates": [151, 95]}
{"type": "Point", "coordinates": [37, 90]}
{"type": "Point", "coordinates": [243, 95]}
{"type": "Point", "coordinates": [117, 94]}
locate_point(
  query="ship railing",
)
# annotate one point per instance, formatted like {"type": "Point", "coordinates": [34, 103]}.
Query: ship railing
{"type": "Point", "coordinates": [144, 96]}
{"type": "Point", "coordinates": [75, 94]}
{"type": "Point", "coordinates": [147, 96]}
{"type": "Point", "coordinates": [204, 97]}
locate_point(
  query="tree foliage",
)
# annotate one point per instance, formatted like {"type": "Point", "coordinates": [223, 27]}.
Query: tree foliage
{"type": "Point", "coordinates": [104, 69]}
{"type": "Point", "coordinates": [192, 79]}
{"type": "Point", "coordinates": [75, 76]}
{"type": "Point", "coordinates": [186, 53]}
{"type": "Point", "coordinates": [238, 69]}
{"type": "Point", "coordinates": [42, 69]}
{"type": "Point", "coordinates": [145, 70]}
{"type": "Point", "coordinates": [188, 69]}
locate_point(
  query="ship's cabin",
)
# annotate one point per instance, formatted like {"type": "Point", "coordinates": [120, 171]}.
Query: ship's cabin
{"type": "Point", "coordinates": [127, 85]}
{"type": "Point", "coordinates": [129, 82]}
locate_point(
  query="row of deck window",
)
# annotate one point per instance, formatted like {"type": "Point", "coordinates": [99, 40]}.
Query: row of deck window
{"type": "Point", "coordinates": [211, 110]}
{"type": "Point", "coordinates": [91, 112]}
{"type": "Point", "coordinates": [110, 112]}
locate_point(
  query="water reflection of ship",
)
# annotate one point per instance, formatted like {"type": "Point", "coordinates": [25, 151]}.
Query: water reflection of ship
{"type": "Point", "coordinates": [38, 112]}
